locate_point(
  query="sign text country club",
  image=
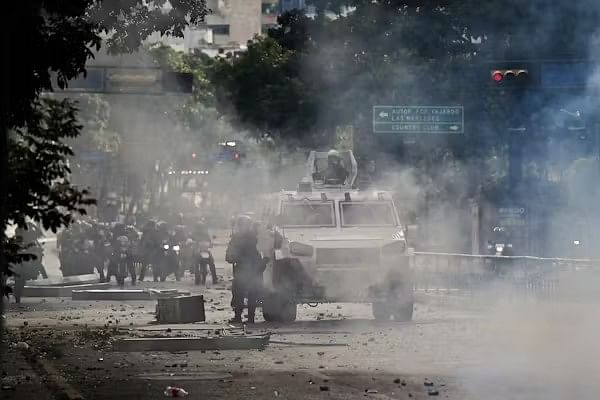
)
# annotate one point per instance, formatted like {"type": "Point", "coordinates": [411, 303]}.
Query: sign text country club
{"type": "Point", "coordinates": [418, 119]}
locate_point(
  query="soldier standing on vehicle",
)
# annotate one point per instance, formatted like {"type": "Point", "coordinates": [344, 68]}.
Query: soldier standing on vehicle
{"type": "Point", "coordinates": [248, 268]}
{"type": "Point", "coordinates": [335, 173]}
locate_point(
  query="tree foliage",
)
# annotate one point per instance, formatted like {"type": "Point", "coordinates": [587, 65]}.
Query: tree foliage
{"type": "Point", "coordinates": [47, 43]}
{"type": "Point", "coordinates": [39, 187]}
{"type": "Point", "coordinates": [262, 89]}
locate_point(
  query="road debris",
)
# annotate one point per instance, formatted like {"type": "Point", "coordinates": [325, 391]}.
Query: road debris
{"type": "Point", "coordinates": [171, 391]}
{"type": "Point", "coordinates": [192, 343]}
{"type": "Point", "coordinates": [180, 310]}
{"type": "Point", "coordinates": [371, 391]}
{"type": "Point", "coordinates": [22, 346]}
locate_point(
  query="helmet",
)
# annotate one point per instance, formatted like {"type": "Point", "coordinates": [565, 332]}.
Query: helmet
{"type": "Point", "coordinates": [333, 154]}
{"type": "Point", "coordinates": [243, 223]}
{"type": "Point", "coordinates": [162, 226]}
{"type": "Point", "coordinates": [150, 225]}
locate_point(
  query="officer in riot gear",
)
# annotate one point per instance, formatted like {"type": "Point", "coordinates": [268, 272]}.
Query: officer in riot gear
{"type": "Point", "coordinates": [248, 268]}
{"type": "Point", "coordinates": [201, 236]}
{"type": "Point", "coordinates": [30, 269]}
{"type": "Point", "coordinates": [150, 247]}
{"type": "Point", "coordinates": [335, 173]}
{"type": "Point", "coordinates": [97, 241]}
{"type": "Point", "coordinates": [122, 261]}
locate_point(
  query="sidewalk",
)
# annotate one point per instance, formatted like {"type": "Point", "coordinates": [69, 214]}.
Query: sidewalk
{"type": "Point", "coordinates": [18, 380]}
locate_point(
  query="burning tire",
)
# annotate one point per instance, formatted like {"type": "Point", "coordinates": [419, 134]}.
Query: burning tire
{"type": "Point", "coordinates": [397, 304]}
{"type": "Point", "coordinates": [277, 308]}
{"type": "Point", "coordinates": [384, 311]}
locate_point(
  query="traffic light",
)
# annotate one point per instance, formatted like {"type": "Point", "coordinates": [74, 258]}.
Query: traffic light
{"type": "Point", "coordinates": [510, 77]}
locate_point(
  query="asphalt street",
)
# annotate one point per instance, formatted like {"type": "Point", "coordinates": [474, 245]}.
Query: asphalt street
{"type": "Point", "coordinates": [455, 348]}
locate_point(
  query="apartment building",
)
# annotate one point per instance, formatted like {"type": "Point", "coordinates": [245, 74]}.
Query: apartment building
{"type": "Point", "coordinates": [231, 25]}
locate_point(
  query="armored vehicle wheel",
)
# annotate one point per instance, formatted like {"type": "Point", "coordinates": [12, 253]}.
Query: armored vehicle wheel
{"type": "Point", "coordinates": [397, 306]}
{"type": "Point", "coordinates": [381, 311]}
{"type": "Point", "coordinates": [276, 308]}
{"type": "Point", "coordinates": [403, 313]}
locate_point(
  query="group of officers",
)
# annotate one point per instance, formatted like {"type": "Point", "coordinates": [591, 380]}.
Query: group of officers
{"type": "Point", "coordinates": [87, 246]}
{"type": "Point", "coordinates": [90, 245]}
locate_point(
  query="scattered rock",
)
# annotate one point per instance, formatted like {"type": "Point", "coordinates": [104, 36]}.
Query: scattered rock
{"type": "Point", "coordinates": [22, 346]}
{"type": "Point", "coordinates": [433, 392]}
{"type": "Point", "coordinates": [321, 353]}
{"type": "Point", "coordinates": [324, 388]}
{"type": "Point", "coordinates": [371, 391]}
{"type": "Point", "coordinates": [397, 381]}
{"type": "Point", "coordinates": [428, 383]}
{"type": "Point", "coordinates": [279, 362]}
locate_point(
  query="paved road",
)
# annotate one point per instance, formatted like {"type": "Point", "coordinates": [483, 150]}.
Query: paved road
{"type": "Point", "coordinates": [508, 349]}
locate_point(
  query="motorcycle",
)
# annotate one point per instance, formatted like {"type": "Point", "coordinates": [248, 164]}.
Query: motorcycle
{"type": "Point", "coordinates": [168, 263]}
{"type": "Point", "coordinates": [123, 262]}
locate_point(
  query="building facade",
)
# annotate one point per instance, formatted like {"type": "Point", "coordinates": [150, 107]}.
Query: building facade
{"type": "Point", "coordinates": [230, 25]}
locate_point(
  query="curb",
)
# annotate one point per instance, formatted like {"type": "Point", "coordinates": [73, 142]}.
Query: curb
{"type": "Point", "coordinates": [53, 380]}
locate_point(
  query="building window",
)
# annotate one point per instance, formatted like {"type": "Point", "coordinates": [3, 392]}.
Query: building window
{"type": "Point", "coordinates": [270, 8]}
{"type": "Point", "coordinates": [219, 29]}
{"type": "Point", "coordinates": [289, 5]}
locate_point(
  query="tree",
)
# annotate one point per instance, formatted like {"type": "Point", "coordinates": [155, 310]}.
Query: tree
{"type": "Point", "coordinates": [38, 160]}
{"type": "Point", "coordinates": [40, 38]}
{"type": "Point", "coordinates": [261, 89]}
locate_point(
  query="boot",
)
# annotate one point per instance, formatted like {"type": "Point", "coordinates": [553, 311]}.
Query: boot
{"type": "Point", "coordinates": [250, 315]}
{"type": "Point", "coordinates": [237, 319]}
{"type": "Point", "coordinates": [213, 272]}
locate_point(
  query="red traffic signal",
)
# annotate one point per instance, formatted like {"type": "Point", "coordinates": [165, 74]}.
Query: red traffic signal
{"type": "Point", "coordinates": [513, 75]}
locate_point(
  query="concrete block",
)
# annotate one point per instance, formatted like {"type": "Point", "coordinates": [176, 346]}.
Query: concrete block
{"type": "Point", "coordinates": [60, 291]}
{"type": "Point", "coordinates": [124, 294]}
{"type": "Point", "coordinates": [180, 310]}
{"type": "Point", "coordinates": [192, 343]}
{"type": "Point", "coordinates": [65, 281]}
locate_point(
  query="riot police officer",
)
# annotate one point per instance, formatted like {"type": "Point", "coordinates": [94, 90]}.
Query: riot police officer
{"type": "Point", "coordinates": [29, 269]}
{"type": "Point", "coordinates": [96, 237]}
{"type": "Point", "coordinates": [248, 268]}
{"type": "Point", "coordinates": [150, 247]}
{"type": "Point", "coordinates": [200, 234]}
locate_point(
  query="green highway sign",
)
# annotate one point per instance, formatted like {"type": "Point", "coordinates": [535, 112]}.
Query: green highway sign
{"type": "Point", "coordinates": [131, 80]}
{"type": "Point", "coordinates": [440, 120]}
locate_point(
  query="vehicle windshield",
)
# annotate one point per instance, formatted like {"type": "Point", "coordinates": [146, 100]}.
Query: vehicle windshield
{"type": "Point", "coordinates": [367, 214]}
{"type": "Point", "coordinates": [307, 213]}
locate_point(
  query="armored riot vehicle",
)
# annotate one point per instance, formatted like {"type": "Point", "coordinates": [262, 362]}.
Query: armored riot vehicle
{"type": "Point", "coordinates": [336, 244]}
